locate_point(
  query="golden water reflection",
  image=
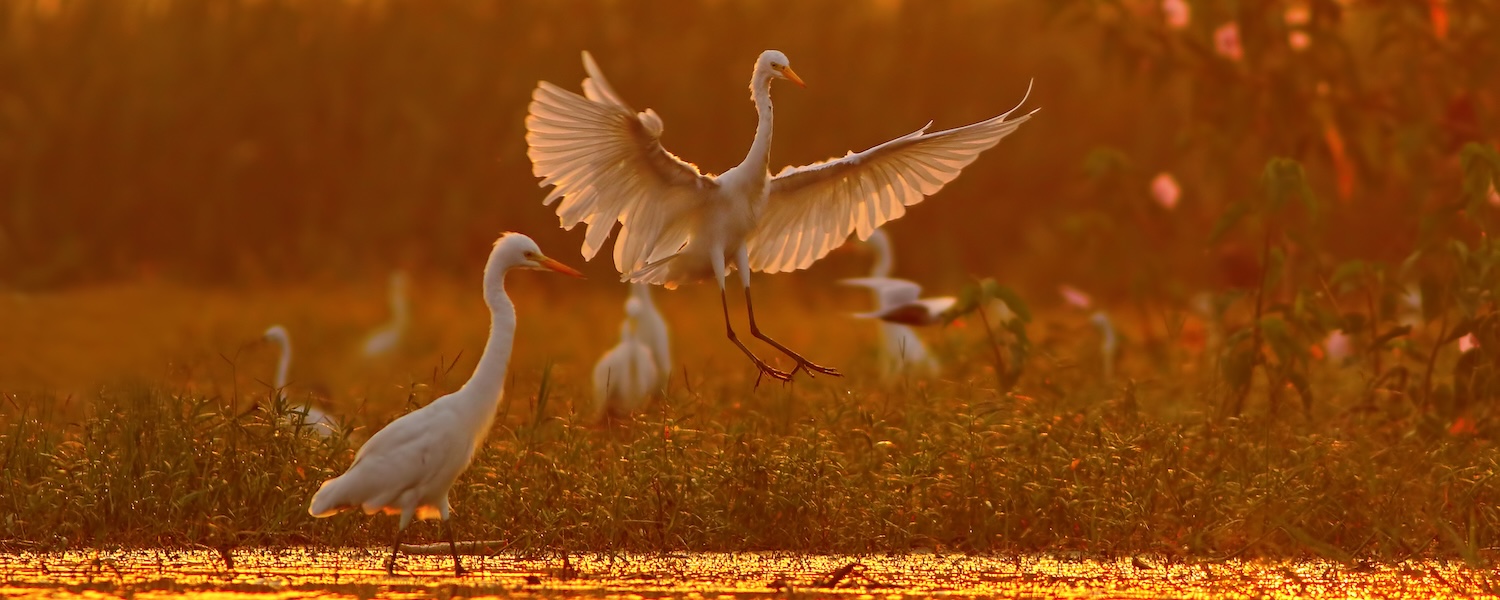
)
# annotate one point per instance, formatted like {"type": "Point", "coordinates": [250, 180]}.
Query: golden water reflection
{"type": "Point", "coordinates": [359, 573]}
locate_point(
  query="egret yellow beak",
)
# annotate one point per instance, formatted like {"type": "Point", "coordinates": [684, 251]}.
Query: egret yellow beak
{"type": "Point", "coordinates": [792, 75]}
{"type": "Point", "coordinates": [552, 265]}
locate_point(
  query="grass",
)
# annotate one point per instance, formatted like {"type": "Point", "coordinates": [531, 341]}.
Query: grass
{"type": "Point", "coordinates": [1065, 461]}
{"type": "Point", "coordinates": [242, 163]}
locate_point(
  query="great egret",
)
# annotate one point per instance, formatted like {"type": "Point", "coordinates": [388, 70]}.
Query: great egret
{"type": "Point", "coordinates": [383, 340]}
{"type": "Point", "coordinates": [1109, 341]}
{"type": "Point", "coordinates": [679, 225]}
{"type": "Point", "coordinates": [408, 467]}
{"type": "Point", "coordinates": [900, 301]}
{"type": "Point", "coordinates": [901, 348]}
{"type": "Point", "coordinates": [651, 330]}
{"type": "Point", "coordinates": [305, 415]}
{"type": "Point", "coordinates": [627, 374]}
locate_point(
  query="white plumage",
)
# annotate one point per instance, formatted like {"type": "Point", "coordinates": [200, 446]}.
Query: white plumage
{"type": "Point", "coordinates": [408, 467]}
{"type": "Point", "coordinates": [627, 375]}
{"type": "Point", "coordinates": [304, 415]}
{"type": "Point", "coordinates": [902, 350]}
{"type": "Point", "coordinates": [385, 339]}
{"type": "Point", "coordinates": [899, 301]}
{"type": "Point", "coordinates": [679, 225]}
{"type": "Point", "coordinates": [651, 330]}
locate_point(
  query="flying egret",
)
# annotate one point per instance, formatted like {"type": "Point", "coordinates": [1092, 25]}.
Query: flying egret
{"type": "Point", "coordinates": [651, 330]}
{"type": "Point", "coordinates": [305, 415]}
{"type": "Point", "coordinates": [408, 467]}
{"type": "Point", "coordinates": [627, 374]}
{"type": "Point", "coordinates": [678, 225]}
{"type": "Point", "coordinates": [900, 301]}
{"type": "Point", "coordinates": [901, 348]}
{"type": "Point", "coordinates": [383, 340]}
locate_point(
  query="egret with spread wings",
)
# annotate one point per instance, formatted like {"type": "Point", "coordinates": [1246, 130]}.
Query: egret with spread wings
{"type": "Point", "coordinates": [679, 225]}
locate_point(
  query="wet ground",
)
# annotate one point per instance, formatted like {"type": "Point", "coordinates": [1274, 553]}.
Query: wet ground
{"type": "Point", "coordinates": [357, 573]}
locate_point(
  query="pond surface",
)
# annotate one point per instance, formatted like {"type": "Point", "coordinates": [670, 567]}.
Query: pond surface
{"type": "Point", "coordinates": [360, 573]}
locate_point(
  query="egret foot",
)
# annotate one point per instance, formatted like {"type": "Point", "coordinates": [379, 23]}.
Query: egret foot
{"type": "Point", "coordinates": [802, 363]}
{"type": "Point", "coordinates": [765, 369]}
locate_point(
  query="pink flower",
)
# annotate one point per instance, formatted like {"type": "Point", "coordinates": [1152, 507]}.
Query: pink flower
{"type": "Point", "coordinates": [1494, 197]}
{"type": "Point", "coordinates": [1337, 346]}
{"type": "Point", "coordinates": [1467, 343]}
{"type": "Point", "coordinates": [1074, 296]}
{"type": "Point", "coordinates": [1299, 40]}
{"type": "Point", "coordinates": [1165, 191]}
{"type": "Point", "coordinates": [1177, 12]}
{"type": "Point", "coordinates": [1227, 41]}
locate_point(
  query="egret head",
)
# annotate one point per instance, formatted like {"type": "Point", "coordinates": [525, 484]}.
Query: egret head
{"type": "Point", "coordinates": [775, 64]}
{"type": "Point", "coordinates": [516, 251]}
{"type": "Point", "coordinates": [277, 334]}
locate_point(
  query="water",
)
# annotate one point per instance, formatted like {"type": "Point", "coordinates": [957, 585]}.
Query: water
{"type": "Point", "coordinates": [360, 573]}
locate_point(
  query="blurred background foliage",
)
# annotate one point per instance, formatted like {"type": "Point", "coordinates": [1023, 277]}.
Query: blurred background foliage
{"type": "Point", "coordinates": [243, 140]}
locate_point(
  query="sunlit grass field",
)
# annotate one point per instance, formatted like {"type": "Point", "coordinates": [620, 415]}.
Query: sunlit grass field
{"type": "Point", "coordinates": [175, 176]}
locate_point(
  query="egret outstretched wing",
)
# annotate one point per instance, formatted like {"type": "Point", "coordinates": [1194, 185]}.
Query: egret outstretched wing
{"type": "Point", "coordinates": [608, 166]}
{"type": "Point", "coordinates": [813, 208]}
{"type": "Point", "coordinates": [891, 291]}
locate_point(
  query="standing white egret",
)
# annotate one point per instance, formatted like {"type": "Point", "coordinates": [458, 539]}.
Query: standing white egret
{"type": "Point", "coordinates": [627, 374]}
{"type": "Point", "coordinates": [408, 467]}
{"type": "Point", "coordinates": [651, 330]}
{"type": "Point", "coordinates": [679, 225]}
{"type": "Point", "coordinates": [383, 340]}
{"type": "Point", "coordinates": [305, 415]}
{"type": "Point", "coordinates": [1109, 341]}
{"type": "Point", "coordinates": [901, 348]}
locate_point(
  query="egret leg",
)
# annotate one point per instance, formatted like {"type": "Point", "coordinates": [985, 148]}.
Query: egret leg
{"type": "Point", "coordinates": [390, 565]}
{"type": "Point", "coordinates": [765, 369]}
{"type": "Point", "coordinates": [802, 363]}
{"type": "Point", "coordinates": [458, 567]}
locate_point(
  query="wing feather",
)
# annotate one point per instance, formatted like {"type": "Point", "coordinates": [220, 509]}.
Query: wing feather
{"type": "Point", "coordinates": [812, 209]}
{"type": "Point", "coordinates": [606, 164]}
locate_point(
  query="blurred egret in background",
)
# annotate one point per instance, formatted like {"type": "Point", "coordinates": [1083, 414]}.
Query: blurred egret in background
{"type": "Point", "coordinates": [901, 350]}
{"type": "Point", "coordinates": [627, 375]}
{"type": "Point", "coordinates": [385, 339]}
{"type": "Point", "coordinates": [408, 467]}
{"type": "Point", "coordinates": [305, 415]}
{"type": "Point", "coordinates": [651, 330]}
{"type": "Point", "coordinates": [679, 225]}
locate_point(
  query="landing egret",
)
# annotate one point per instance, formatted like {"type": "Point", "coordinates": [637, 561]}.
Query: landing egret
{"type": "Point", "coordinates": [627, 374]}
{"type": "Point", "coordinates": [383, 340]}
{"type": "Point", "coordinates": [901, 349]}
{"type": "Point", "coordinates": [651, 330]}
{"type": "Point", "coordinates": [900, 301]}
{"type": "Point", "coordinates": [305, 415]}
{"type": "Point", "coordinates": [408, 467]}
{"type": "Point", "coordinates": [679, 225]}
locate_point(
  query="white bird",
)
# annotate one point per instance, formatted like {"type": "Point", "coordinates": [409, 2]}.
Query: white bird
{"type": "Point", "coordinates": [679, 225]}
{"type": "Point", "coordinates": [408, 467]}
{"type": "Point", "coordinates": [304, 415]}
{"type": "Point", "coordinates": [627, 374]}
{"type": "Point", "coordinates": [383, 340]}
{"type": "Point", "coordinates": [1109, 341]}
{"type": "Point", "coordinates": [901, 349]}
{"type": "Point", "coordinates": [651, 330]}
{"type": "Point", "coordinates": [899, 301]}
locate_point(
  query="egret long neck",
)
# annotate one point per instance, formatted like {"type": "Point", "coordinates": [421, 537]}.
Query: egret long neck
{"type": "Point", "coordinates": [760, 150]}
{"type": "Point", "coordinates": [283, 365]}
{"type": "Point", "coordinates": [481, 393]}
{"type": "Point", "coordinates": [883, 260]}
{"type": "Point", "coordinates": [399, 310]}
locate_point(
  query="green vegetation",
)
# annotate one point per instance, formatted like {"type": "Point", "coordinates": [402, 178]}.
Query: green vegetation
{"type": "Point", "coordinates": [1333, 159]}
